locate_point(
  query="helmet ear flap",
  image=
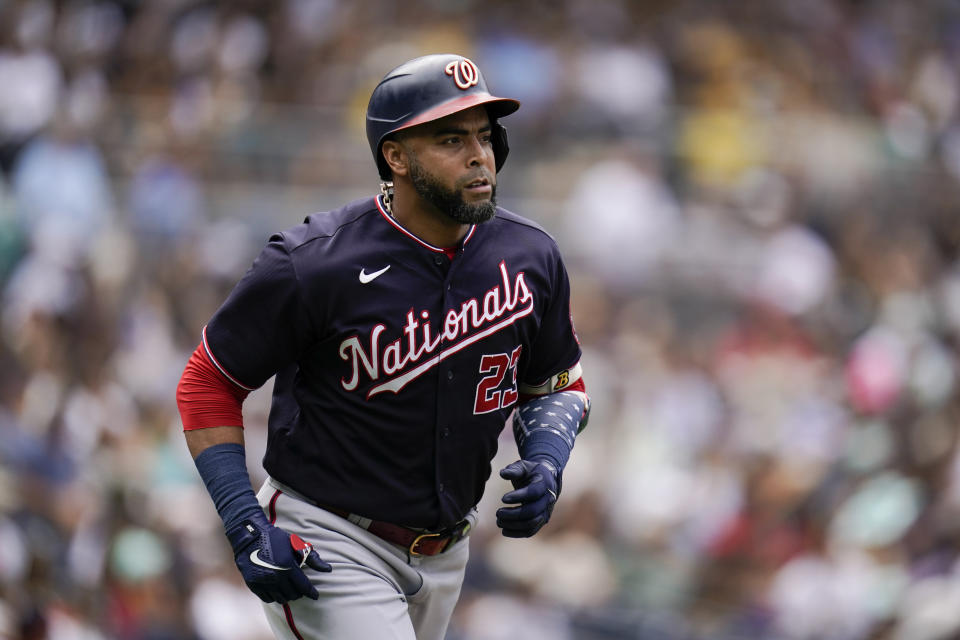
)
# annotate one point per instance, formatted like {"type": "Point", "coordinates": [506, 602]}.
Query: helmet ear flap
{"type": "Point", "coordinates": [498, 137]}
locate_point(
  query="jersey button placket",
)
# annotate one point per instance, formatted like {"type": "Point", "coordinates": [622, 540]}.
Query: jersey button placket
{"type": "Point", "coordinates": [446, 378]}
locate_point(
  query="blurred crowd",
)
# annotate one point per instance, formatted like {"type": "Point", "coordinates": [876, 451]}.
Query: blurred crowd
{"type": "Point", "coordinates": [759, 203]}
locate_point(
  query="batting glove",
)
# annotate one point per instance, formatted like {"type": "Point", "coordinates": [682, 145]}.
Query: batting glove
{"type": "Point", "coordinates": [272, 560]}
{"type": "Point", "coordinates": [536, 485]}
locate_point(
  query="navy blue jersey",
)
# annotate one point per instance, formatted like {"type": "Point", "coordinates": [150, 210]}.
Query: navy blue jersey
{"type": "Point", "coordinates": [396, 367]}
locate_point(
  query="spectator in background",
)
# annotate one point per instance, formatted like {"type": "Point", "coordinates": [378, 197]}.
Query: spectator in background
{"type": "Point", "coordinates": [63, 194]}
{"type": "Point", "coordinates": [31, 77]}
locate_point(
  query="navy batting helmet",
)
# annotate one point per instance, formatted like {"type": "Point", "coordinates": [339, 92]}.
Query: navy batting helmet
{"type": "Point", "coordinates": [429, 88]}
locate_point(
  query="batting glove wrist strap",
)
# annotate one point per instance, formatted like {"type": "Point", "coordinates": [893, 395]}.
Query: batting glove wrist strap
{"type": "Point", "coordinates": [247, 533]}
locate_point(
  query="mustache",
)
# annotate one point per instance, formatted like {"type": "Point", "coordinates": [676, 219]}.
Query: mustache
{"type": "Point", "coordinates": [480, 174]}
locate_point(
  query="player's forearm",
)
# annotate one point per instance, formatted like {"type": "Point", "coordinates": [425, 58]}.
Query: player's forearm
{"type": "Point", "coordinates": [223, 468]}
{"type": "Point", "coordinates": [210, 408]}
{"type": "Point", "coordinates": [200, 439]}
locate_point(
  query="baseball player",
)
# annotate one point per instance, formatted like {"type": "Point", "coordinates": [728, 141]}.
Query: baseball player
{"type": "Point", "coordinates": [404, 330]}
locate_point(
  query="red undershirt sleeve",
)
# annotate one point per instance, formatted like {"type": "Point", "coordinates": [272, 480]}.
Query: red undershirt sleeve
{"type": "Point", "coordinates": [207, 398]}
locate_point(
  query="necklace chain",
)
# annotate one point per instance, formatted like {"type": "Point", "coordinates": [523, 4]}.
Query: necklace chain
{"type": "Point", "coordinates": [386, 188]}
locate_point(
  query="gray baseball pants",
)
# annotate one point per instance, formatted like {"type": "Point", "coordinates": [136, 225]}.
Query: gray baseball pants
{"type": "Point", "coordinates": [376, 589]}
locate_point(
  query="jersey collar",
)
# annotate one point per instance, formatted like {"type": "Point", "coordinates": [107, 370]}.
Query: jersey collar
{"type": "Point", "coordinates": [389, 218]}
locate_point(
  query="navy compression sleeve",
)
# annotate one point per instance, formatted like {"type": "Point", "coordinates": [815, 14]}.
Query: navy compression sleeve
{"type": "Point", "coordinates": [547, 426]}
{"type": "Point", "coordinates": [223, 468]}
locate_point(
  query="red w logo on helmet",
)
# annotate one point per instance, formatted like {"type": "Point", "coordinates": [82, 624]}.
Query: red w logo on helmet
{"type": "Point", "coordinates": [465, 73]}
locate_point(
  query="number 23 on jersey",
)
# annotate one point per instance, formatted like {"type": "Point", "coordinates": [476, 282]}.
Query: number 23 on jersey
{"type": "Point", "coordinates": [496, 368]}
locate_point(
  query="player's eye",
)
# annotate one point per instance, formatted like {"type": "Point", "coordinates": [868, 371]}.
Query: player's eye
{"type": "Point", "coordinates": [450, 140]}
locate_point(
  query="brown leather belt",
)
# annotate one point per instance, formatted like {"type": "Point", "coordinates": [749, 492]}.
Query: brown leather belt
{"type": "Point", "coordinates": [417, 543]}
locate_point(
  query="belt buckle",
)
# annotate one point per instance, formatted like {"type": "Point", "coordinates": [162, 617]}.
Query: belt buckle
{"type": "Point", "coordinates": [412, 549]}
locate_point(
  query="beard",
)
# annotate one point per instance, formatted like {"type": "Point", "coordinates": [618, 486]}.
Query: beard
{"type": "Point", "coordinates": [450, 201]}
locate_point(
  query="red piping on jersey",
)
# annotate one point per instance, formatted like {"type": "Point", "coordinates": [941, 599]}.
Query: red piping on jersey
{"type": "Point", "coordinates": [216, 362]}
{"type": "Point", "coordinates": [206, 397]}
{"type": "Point", "coordinates": [400, 228]}
{"type": "Point", "coordinates": [469, 235]}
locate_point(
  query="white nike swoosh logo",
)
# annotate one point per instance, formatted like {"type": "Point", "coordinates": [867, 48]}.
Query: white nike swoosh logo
{"type": "Point", "coordinates": [369, 277]}
{"type": "Point", "coordinates": [255, 559]}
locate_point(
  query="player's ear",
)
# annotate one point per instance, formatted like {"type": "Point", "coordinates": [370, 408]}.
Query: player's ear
{"type": "Point", "coordinates": [396, 157]}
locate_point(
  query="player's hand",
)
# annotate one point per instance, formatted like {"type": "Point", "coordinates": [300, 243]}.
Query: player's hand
{"type": "Point", "coordinates": [272, 560]}
{"type": "Point", "coordinates": [536, 485]}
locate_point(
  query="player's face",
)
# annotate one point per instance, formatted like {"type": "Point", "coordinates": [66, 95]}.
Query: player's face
{"type": "Point", "coordinates": [452, 167]}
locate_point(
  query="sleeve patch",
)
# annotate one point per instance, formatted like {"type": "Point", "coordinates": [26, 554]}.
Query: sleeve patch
{"type": "Point", "coordinates": [558, 382]}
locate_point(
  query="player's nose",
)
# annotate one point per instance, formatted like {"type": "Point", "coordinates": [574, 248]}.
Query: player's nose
{"type": "Point", "coordinates": [477, 152]}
